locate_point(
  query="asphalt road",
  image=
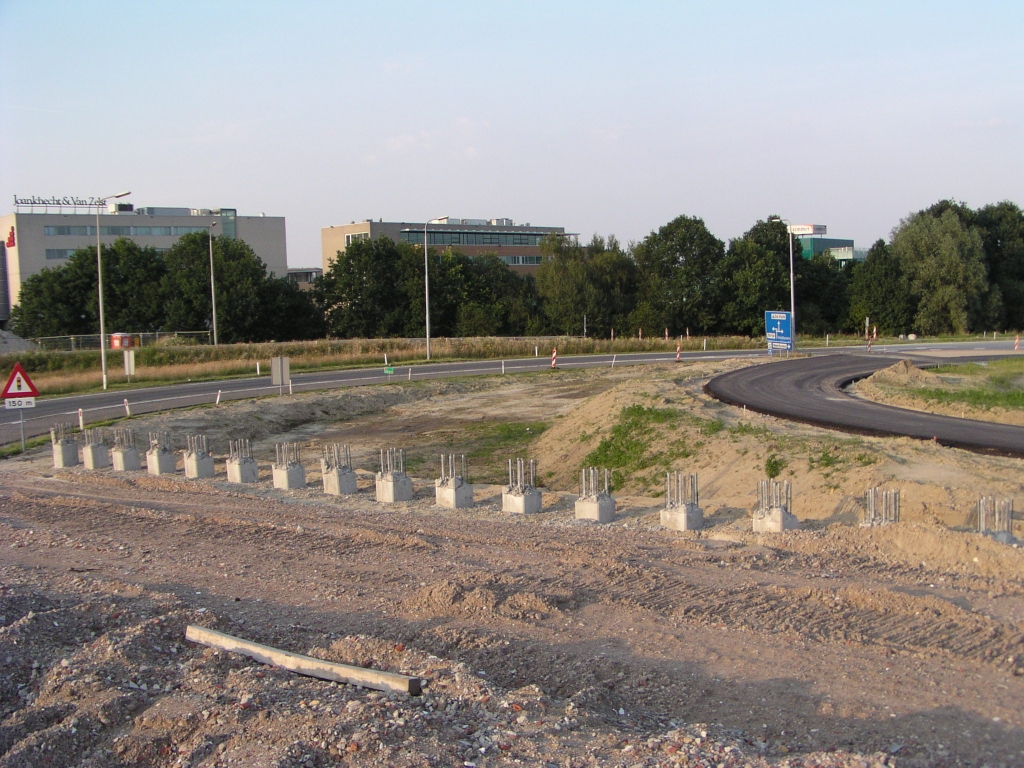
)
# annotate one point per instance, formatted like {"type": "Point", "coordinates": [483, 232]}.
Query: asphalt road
{"type": "Point", "coordinates": [102, 406]}
{"type": "Point", "coordinates": [810, 390]}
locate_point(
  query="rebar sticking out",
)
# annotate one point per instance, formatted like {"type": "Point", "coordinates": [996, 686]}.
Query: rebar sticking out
{"type": "Point", "coordinates": [448, 468]}
{"type": "Point", "coordinates": [287, 454]}
{"type": "Point", "coordinates": [239, 450]}
{"type": "Point", "coordinates": [93, 436]}
{"type": "Point", "coordinates": [392, 461]}
{"type": "Point", "coordinates": [336, 456]}
{"type": "Point", "coordinates": [62, 432]}
{"type": "Point", "coordinates": [680, 490]}
{"type": "Point", "coordinates": [881, 507]}
{"type": "Point", "coordinates": [521, 476]}
{"type": "Point", "coordinates": [124, 439]}
{"type": "Point", "coordinates": [590, 478]}
{"type": "Point", "coordinates": [196, 445]}
{"type": "Point", "coordinates": [995, 515]}
{"type": "Point", "coordinates": [160, 441]}
{"type": "Point", "coordinates": [771, 494]}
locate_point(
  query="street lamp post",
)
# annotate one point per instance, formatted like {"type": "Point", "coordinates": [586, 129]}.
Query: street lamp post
{"type": "Point", "coordinates": [426, 284]}
{"type": "Point", "coordinates": [99, 275]}
{"type": "Point", "coordinates": [213, 291]}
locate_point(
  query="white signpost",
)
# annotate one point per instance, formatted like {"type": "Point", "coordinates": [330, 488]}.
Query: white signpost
{"type": "Point", "coordinates": [20, 393]}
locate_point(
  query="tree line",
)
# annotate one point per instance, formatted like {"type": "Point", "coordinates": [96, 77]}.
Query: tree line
{"type": "Point", "coordinates": [945, 269]}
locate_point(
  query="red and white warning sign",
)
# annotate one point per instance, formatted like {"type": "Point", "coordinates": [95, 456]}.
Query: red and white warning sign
{"type": "Point", "coordinates": [19, 392]}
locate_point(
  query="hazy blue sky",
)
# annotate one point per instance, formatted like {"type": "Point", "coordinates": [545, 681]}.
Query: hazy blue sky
{"type": "Point", "coordinates": [597, 116]}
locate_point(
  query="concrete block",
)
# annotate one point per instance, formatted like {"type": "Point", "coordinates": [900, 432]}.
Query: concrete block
{"type": "Point", "coordinates": [198, 465]}
{"type": "Point", "coordinates": [160, 462]}
{"type": "Point", "coordinates": [600, 508]}
{"type": "Point", "coordinates": [340, 481]}
{"type": "Point", "coordinates": [394, 486]}
{"type": "Point", "coordinates": [526, 503]}
{"type": "Point", "coordinates": [65, 454]}
{"type": "Point", "coordinates": [289, 476]}
{"type": "Point", "coordinates": [453, 494]}
{"type": "Point", "coordinates": [95, 456]}
{"type": "Point", "coordinates": [687, 517]}
{"type": "Point", "coordinates": [243, 470]}
{"type": "Point", "coordinates": [125, 459]}
{"type": "Point", "coordinates": [775, 520]}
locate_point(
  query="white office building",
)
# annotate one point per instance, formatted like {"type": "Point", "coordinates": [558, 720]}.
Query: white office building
{"type": "Point", "coordinates": [44, 232]}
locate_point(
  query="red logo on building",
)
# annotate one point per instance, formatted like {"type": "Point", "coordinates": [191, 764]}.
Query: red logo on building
{"type": "Point", "coordinates": [10, 238]}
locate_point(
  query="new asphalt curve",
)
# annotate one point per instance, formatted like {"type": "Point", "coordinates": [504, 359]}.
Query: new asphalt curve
{"type": "Point", "coordinates": [811, 390]}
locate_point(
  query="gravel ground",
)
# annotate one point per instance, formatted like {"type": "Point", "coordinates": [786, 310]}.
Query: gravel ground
{"type": "Point", "coordinates": [543, 641]}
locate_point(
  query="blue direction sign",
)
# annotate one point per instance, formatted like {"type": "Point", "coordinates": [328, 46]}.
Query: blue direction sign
{"type": "Point", "coordinates": [778, 329]}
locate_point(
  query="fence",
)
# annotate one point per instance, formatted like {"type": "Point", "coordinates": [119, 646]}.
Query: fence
{"type": "Point", "coordinates": [92, 340]}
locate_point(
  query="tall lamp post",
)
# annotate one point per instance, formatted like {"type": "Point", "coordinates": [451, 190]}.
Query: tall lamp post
{"type": "Point", "coordinates": [213, 292]}
{"type": "Point", "coordinates": [99, 274]}
{"type": "Point", "coordinates": [426, 284]}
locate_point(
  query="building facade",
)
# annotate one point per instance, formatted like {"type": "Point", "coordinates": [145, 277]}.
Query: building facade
{"type": "Point", "coordinates": [842, 250]}
{"type": "Point", "coordinates": [35, 239]}
{"type": "Point", "coordinates": [518, 245]}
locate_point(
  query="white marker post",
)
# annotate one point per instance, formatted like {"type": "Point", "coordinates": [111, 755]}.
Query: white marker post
{"type": "Point", "coordinates": [20, 393]}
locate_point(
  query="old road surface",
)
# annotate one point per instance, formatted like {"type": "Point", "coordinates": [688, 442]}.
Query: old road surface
{"type": "Point", "coordinates": [810, 390]}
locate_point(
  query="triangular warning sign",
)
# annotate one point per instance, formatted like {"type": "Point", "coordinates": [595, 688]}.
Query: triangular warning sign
{"type": "Point", "coordinates": [19, 384]}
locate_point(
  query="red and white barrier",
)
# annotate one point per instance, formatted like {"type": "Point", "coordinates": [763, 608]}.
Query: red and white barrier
{"type": "Point", "coordinates": [1016, 343]}
{"type": "Point", "coordinates": [679, 353]}
{"type": "Point", "coordinates": [554, 358]}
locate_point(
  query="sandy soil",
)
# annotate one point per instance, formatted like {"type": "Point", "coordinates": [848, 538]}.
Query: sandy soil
{"type": "Point", "coordinates": [544, 641]}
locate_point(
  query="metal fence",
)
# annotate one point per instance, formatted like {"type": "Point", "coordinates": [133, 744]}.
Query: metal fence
{"type": "Point", "coordinates": [92, 340]}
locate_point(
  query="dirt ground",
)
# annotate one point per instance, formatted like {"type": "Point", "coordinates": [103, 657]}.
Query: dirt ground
{"type": "Point", "coordinates": [543, 640]}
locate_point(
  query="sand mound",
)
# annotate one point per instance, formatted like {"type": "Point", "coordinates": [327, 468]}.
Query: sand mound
{"type": "Point", "coordinates": [905, 374]}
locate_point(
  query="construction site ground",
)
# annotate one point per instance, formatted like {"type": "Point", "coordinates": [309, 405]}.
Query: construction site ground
{"type": "Point", "coordinates": [542, 640]}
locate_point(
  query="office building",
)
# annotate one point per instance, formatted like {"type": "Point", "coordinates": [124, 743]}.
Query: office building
{"type": "Point", "coordinates": [518, 245]}
{"type": "Point", "coordinates": [842, 250]}
{"type": "Point", "coordinates": [44, 232]}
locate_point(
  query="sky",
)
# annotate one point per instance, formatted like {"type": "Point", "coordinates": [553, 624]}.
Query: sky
{"type": "Point", "coordinates": [601, 117]}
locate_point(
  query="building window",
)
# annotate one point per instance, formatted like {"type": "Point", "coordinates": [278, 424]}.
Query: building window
{"type": "Point", "coordinates": [59, 253]}
{"type": "Point", "coordinates": [355, 237]}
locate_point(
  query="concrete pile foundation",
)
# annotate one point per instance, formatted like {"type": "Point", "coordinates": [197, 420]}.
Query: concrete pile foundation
{"type": "Point", "coordinates": [392, 482]}
{"type": "Point", "coordinates": [95, 454]}
{"type": "Point", "coordinates": [160, 459]}
{"type": "Point", "coordinates": [241, 466]}
{"type": "Point", "coordinates": [336, 470]}
{"type": "Point", "coordinates": [450, 490]}
{"type": "Point", "coordinates": [594, 504]}
{"type": "Point", "coordinates": [682, 511]}
{"type": "Point", "coordinates": [65, 450]}
{"type": "Point", "coordinates": [125, 456]}
{"type": "Point", "coordinates": [287, 470]}
{"type": "Point", "coordinates": [774, 502]}
{"type": "Point", "coordinates": [197, 459]}
{"type": "Point", "coordinates": [520, 497]}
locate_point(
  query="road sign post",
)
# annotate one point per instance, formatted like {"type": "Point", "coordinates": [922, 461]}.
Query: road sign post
{"type": "Point", "coordinates": [20, 393]}
{"type": "Point", "coordinates": [778, 330]}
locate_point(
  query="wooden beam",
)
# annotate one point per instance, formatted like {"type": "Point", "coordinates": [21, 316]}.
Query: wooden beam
{"type": "Point", "coordinates": [306, 665]}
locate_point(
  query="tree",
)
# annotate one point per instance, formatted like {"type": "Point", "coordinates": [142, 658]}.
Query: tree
{"type": "Point", "coordinates": [945, 268]}
{"type": "Point", "coordinates": [879, 291]}
{"type": "Point", "coordinates": [679, 276]}
{"type": "Point", "coordinates": [1002, 237]}
{"type": "Point", "coordinates": [64, 300]}
{"type": "Point", "coordinates": [822, 296]}
{"type": "Point", "coordinates": [754, 277]}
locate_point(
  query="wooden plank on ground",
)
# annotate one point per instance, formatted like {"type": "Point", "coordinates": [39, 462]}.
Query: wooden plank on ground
{"type": "Point", "coordinates": [305, 665]}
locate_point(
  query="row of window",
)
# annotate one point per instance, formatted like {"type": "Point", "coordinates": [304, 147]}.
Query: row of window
{"type": "Point", "coordinates": [472, 238]}
{"type": "Point", "coordinates": [349, 239]}
{"type": "Point", "coordinates": [124, 231]}
{"type": "Point", "coordinates": [65, 253]}
{"type": "Point", "coordinates": [523, 261]}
